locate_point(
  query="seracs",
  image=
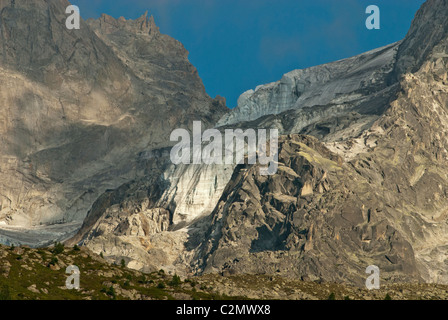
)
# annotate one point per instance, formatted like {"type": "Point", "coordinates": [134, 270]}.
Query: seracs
{"type": "Point", "coordinates": [234, 145]}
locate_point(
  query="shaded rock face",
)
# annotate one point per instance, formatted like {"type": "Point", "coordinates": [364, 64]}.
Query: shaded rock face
{"type": "Point", "coordinates": [175, 202]}
{"type": "Point", "coordinates": [78, 110]}
{"type": "Point", "coordinates": [369, 189]}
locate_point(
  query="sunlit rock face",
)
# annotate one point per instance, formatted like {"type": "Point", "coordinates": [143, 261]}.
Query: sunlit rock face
{"type": "Point", "coordinates": [194, 190]}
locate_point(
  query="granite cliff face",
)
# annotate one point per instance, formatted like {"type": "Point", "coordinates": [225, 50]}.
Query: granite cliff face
{"type": "Point", "coordinates": [385, 205]}
{"type": "Point", "coordinates": [369, 188]}
{"type": "Point", "coordinates": [79, 108]}
{"type": "Point", "coordinates": [189, 193]}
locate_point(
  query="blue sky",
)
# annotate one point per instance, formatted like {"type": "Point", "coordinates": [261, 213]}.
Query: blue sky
{"type": "Point", "coordinates": [239, 44]}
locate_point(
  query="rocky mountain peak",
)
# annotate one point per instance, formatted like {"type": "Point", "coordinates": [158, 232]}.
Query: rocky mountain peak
{"type": "Point", "coordinates": [35, 41]}
{"type": "Point", "coordinates": [427, 36]}
{"type": "Point", "coordinates": [141, 25]}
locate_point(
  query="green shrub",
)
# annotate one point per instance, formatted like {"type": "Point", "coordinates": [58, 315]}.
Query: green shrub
{"type": "Point", "coordinates": [387, 297]}
{"type": "Point", "coordinates": [76, 248]}
{"type": "Point", "coordinates": [123, 263]}
{"type": "Point", "coordinates": [191, 282]}
{"type": "Point", "coordinates": [110, 292]}
{"type": "Point", "coordinates": [101, 255]}
{"type": "Point", "coordinates": [58, 248]}
{"type": "Point", "coordinates": [175, 282]}
{"type": "Point", "coordinates": [332, 296]}
{"type": "Point", "coordinates": [161, 285]}
{"type": "Point", "coordinates": [53, 261]}
{"type": "Point", "coordinates": [142, 280]}
{"type": "Point", "coordinates": [4, 293]}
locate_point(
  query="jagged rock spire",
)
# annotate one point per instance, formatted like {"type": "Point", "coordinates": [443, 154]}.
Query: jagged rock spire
{"type": "Point", "coordinates": [142, 25]}
{"type": "Point", "coordinates": [428, 30]}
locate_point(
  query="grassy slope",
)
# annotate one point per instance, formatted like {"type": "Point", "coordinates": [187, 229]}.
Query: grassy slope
{"type": "Point", "coordinates": [40, 274]}
{"type": "Point", "coordinates": [32, 276]}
